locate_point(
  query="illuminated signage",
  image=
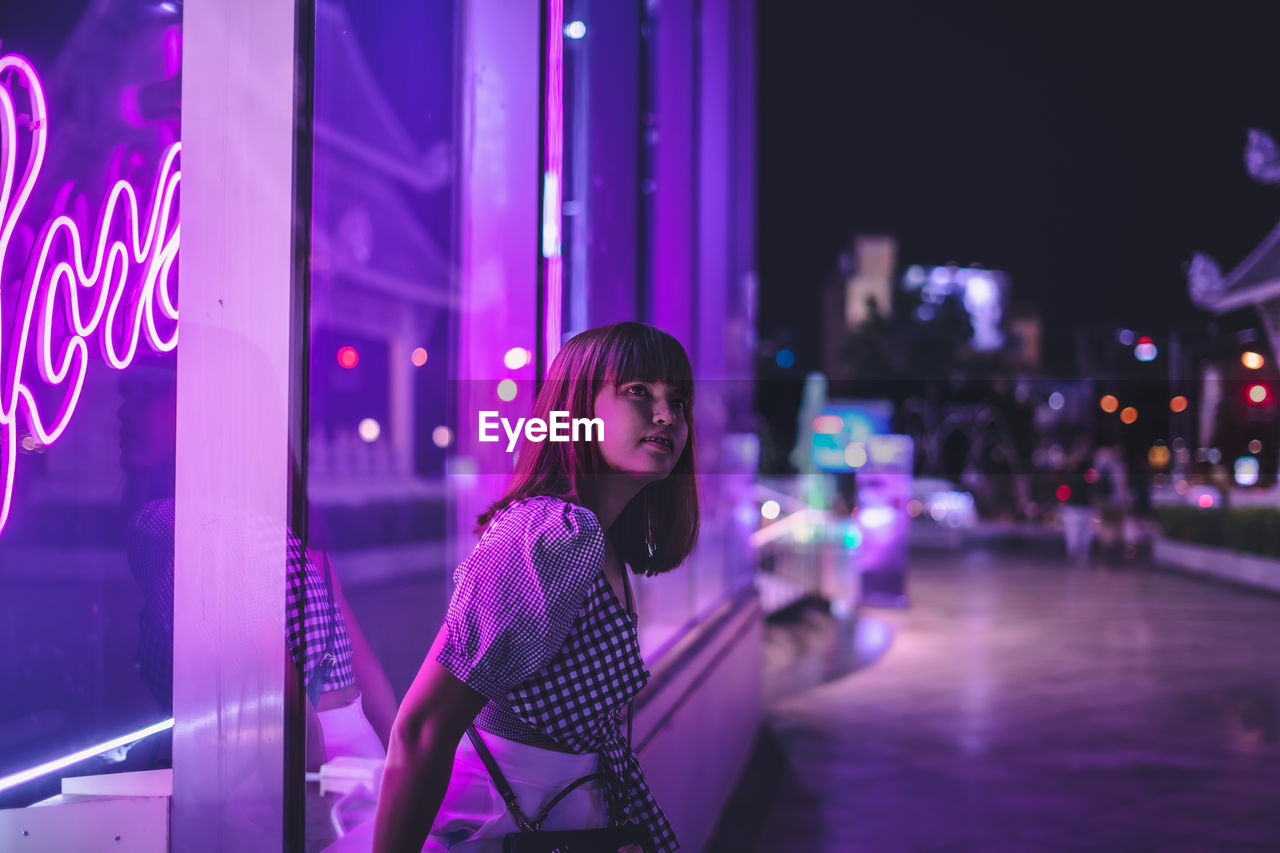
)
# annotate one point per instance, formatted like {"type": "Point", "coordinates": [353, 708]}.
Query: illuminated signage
{"type": "Point", "coordinates": [114, 284]}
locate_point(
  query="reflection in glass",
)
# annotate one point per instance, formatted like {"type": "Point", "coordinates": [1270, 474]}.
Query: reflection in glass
{"type": "Point", "coordinates": [69, 612]}
{"type": "Point", "coordinates": [382, 311]}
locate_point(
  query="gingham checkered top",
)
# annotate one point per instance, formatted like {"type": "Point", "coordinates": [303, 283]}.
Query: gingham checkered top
{"type": "Point", "coordinates": [534, 625]}
{"type": "Point", "coordinates": [150, 550]}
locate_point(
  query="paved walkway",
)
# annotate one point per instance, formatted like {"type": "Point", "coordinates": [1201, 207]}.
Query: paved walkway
{"type": "Point", "coordinates": [1022, 703]}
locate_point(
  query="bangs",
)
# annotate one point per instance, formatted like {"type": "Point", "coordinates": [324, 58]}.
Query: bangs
{"type": "Point", "coordinates": [646, 354]}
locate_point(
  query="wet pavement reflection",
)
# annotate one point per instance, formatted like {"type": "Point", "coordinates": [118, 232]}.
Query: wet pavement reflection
{"type": "Point", "coordinates": [1022, 703]}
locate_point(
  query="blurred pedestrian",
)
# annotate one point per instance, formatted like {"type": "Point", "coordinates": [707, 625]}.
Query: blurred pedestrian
{"type": "Point", "coordinates": [1077, 511]}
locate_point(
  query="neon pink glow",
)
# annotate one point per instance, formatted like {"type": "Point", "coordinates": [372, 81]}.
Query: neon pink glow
{"type": "Point", "coordinates": [114, 290]}
{"type": "Point", "coordinates": [553, 177]}
{"type": "Point", "coordinates": [172, 51]}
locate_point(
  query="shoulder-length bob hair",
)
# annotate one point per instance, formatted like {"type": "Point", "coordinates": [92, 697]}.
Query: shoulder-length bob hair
{"type": "Point", "coordinates": [616, 354]}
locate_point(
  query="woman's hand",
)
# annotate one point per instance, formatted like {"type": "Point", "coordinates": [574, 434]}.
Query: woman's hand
{"type": "Point", "coordinates": [432, 720]}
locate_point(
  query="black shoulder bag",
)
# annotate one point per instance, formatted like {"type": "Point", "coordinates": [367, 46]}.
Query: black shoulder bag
{"type": "Point", "coordinates": [628, 838]}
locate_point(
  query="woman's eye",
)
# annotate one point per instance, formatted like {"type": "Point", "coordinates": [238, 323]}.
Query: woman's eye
{"type": "Point", "coordinates": [679, 402]}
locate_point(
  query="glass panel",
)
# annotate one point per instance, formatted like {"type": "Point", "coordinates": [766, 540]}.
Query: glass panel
{"type": "Point", "coordinates": [383, 305]}
{"type": "Point", "coordinates": [600, 209]}
{"type": "Point", "coordinates": [90, 111]}
{"type": "Point", "coordinates": [701, 151]}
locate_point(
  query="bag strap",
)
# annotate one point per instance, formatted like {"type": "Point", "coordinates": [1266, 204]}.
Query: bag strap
{"type": "Point", "coordinates": [635, 619]}
{"type": "Point", "coordinates": [509, 796]}
{"type": "Point", "coordinates": [500, 781]}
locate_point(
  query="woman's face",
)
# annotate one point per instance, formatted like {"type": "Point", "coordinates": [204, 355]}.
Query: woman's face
{"type": "Point", "coordinates": [633, 414]}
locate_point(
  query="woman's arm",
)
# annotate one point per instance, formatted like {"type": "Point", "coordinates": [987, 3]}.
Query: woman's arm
{"type": "Point", "coordinates": [376, 696]}
{"type": "Point", "coordinates": [432, 720]}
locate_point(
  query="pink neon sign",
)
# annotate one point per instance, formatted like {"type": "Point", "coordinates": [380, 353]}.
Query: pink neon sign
{"type": "Point", "coordinates": [116, 288]}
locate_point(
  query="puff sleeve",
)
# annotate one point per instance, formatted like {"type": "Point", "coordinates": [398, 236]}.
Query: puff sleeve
{"type": "Point", "coordinates": [518, 593]}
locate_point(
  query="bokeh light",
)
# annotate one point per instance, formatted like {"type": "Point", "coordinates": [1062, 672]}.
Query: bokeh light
{"type": "Point", "coordinates": [442, 436]}
{"type": "Point", "coordinates": [507, 390]}
{"type": "Point", "coordinates": [575, 30]}
{"type": "Point", "coordinates": [1109, 403]}
{"type": "Point", "coordinates": [827, 424]}
{"type": "Point", "coordinates": [770, 509]}
{"type": "Point", "coordinates": [1158, 456]}
{"type": "Point", "coordinates": [1178, 404]}
{"type": "Point", "coordinates": [516, 358]}
{"type": "Point", "coordinates": [1128, 414]}
{"type": "Point", "coordinates": [1056, 401]}
{"type": "Point", "coordinates": [785, 358]}
{"type": "Point", "coordinates": [1252, 360]}
{"type": "Point", "coordinates": [1258, 393]}
{"type": "Point", "coordinates": [418, 356]}
{"type": "Point", "coordinates": [348, 357]}
{"type": "Point", "coordinates": [1246, 471]}
{"type": "Point", "coordinates": [369, 429]}
{"type": "Point", "coordinates": [855, 455]}
{"type": "Point", "coordinates": [1063, 492]}
{"type": "Point", "coordinates": [1255, 446]}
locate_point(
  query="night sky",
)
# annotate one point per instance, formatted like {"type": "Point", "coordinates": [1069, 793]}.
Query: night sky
{"type": "Point", "coordinates": [1087, 149]}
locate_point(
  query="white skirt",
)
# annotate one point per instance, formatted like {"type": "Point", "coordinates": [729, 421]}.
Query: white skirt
{"type": "Point", "coordinates": [473, 817]}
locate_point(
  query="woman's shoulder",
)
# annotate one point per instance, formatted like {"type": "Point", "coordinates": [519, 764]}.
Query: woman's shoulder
{"type": "Point", "coordinates": [535, 549]}
{"type": "Point", "coordinates": [544, 517]}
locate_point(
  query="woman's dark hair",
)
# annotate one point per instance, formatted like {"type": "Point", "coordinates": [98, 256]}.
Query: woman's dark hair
{"type": "Point", "coordinates": [617, 354]}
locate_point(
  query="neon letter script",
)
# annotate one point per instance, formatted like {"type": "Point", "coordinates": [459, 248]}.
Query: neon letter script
{"type": "Point", "coordinates": [109, 287]}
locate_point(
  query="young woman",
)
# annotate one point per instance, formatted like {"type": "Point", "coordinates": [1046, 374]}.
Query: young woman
{"type": "Point", "coordinates": [539, 646]}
